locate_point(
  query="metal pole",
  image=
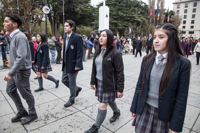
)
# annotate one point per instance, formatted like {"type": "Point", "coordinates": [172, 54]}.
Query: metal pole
{"type": "Point", "coordinates": [63, 20]}
{"type": "Point", "coordinates": [46, 20]}
{"type": "Point", "coordinates": [40, 25]}
{"type": "Point", "coordinates": [52, 15]}
{"type": "Point", "coordinates": [17, 7]}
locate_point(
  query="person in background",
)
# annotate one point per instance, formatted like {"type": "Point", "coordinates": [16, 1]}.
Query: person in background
{"type": "Point", "coordinates": [107, 78]}
{"type": "Point", "coordinates": [42, 62]}
{"type": "Point", "coordinates": [84, 37]}
{"type": "Point", "coordinates": [61, 41]}
{"type": "Point", "coordinates": [89, 46]}
{"type": "Point", "coordinates": [3, 44]}
{"type": "Point", "coordinates": [144, 41]}
{"type": "Point", "coordinates": [193, 45]}
{"type": "Point", "coordinates": [58, 49]}
{"type": "Point", "coordinates": [138, 47]}
{"type": "Point", "coordinates": [134, 45]}
{"type": "Point", "coordinates": [35, 44]}
{"type": "Point", "coordinates": [197, 50]}
{"type": "Point", "coordinates": [188, 47]}
{"type": "Point", "coordinates": [52, 47]}
{"type": "Point", "coordinates": [149, 43]}
{"type": "Point", "coordinates": [183, 46]}
{"type": "Point", "coordinates": [96, 42]}
{"type": "Point", "coordinates": [160, 99]}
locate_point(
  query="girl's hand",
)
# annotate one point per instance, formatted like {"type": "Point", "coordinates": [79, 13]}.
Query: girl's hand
{"type": "Point", "coordinates": [170, 131]}
{"type": "Point", "coordinates": [119, 95]}
{"type": "Point", "coordinates": [133, 115]}
{"type": "Point", "coordinates": [42, 67]}
{"type": "Point", "coordinates": [92, 86]}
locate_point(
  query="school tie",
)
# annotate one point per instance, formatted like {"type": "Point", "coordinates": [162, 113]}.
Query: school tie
{"type": "Point", "coordinates": [103, 50]}
{"type": "Point", "coordinates": [66, 43]}
{"type": "Point", "coordinates": [160, 60]}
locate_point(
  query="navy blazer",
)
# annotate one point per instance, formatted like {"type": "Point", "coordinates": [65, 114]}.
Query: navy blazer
{"type": "Point", "coordinates": [172, 104]}
{"type": "Point", "coordinates": [73, 56]}
{"type": "Point", "coordinates": [42, 55]}
{"type": "Point", "coordinates": [32, 50]}
{"type": "Point", "coordinates": [149, 42]}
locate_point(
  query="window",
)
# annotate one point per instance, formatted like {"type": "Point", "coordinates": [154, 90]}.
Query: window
{"type": "Point", "coordinates": [177, 11]}
{"type": "Point", "coordinates": [185, 16]}
{"type": "Point", "coordinates": [195, 4]}
{"type": "Point", "coordinates": [193, 15]}
{"type": "Point", "coordinates": [185, 11]}
{"type": "Point", "coordinates": [191, 32]}
{"type": "Point", "coordinates": [183, 32]}
{"type": "Point", "coordinates": [192, 21]}
{"type": "Point", "coordinates": [184, 21]}
{"type": "Point", "coordinates": [178, 6]}
{"type": "Point", "coordinates": [183, 27]}
{"type": "Point", "coordinates": [186, 5]}
{"type": "Point", "coordinates": [194, 10]}
{"type": "Point", "coordinates": [192, 27]}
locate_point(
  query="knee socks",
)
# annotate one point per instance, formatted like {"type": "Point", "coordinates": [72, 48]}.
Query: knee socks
{"type": "Point", "coordinates": [40, 81]}
{"type": "Point", "coordinates": [100, 117]}
{"type": "Point", "coordinates": [51, 78]}
{"type": "Point", "coordinates": [113, 106]}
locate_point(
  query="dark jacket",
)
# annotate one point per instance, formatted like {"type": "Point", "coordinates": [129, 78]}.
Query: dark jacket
{"type": "Point", "coordinates": [42, 56]}
{"type": "Point", "coordinates": [58, 45]}
{"type": "Point", "coordinates": [139, 45]}
{"type": "Point", "coordinates": [3, 39]}
{"type": "Point", "coordinates": [134, 43]}
{"type": "Point", "coordinates": [84, 44]}
{"type": "Point", "coordinates": [32, 50]}
{"type": "Point", "coordinates": [183, 46]}
{"type": "Point", "coordinates": [113, 71]}
{"type": "Point", "coordinates": [149, 42]}
{"type": "Point", "coordinates": [74, 54]}
{"type": "Point", "coordinates": [172, 104]}
{"type": "Point", "coordinates": [189, 48]}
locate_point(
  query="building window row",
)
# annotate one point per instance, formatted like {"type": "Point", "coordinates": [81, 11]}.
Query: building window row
{"type": "Point", "coordinates": [185, 11]}
{"type": "Point", "coordinates": [186, 5]}
{"type": "Point", "coordinates": [192, 21]}
{"type": "Point", "coordinates": [185, 16]}
{"type": "Point", "coordinates": [189, 32]}
{"type": "Point", "coordinates": [191, 27]}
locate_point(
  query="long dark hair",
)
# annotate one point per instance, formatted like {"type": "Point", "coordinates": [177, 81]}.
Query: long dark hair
{"type": "Point", "coordinates": [174, 49]}
{"type": "Point", "coordinates": [43, 38]}
{"type": "Point", "coordinates": [110, 40]}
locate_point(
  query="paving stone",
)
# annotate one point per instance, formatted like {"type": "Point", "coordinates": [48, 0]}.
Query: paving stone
{"type": "Point", "coordinates": [194, 89]}
{"type": "Point", "coordinates": [2, 98]}
{"type": "Point", "coordinates": [194, 100]}
{"type": "Point", "coordinates": [197, 125]}
{"type": "Point", "coordinates": [6, 126]}
{"type": "Point", "coordinates": [127, 128]}
{"type": "Point", "coordinates": [5, 108]}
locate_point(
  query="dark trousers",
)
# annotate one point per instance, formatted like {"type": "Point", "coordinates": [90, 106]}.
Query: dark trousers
{"type": "Point", "coordinates": [133, 50]}
{"type": "Point", "coordinates": [69, 79]}
{"type": "Point", "coordinates": [197, 56]}
{"type": "Point", "coordinates": [3, 50]}
{"type": "Point", "coordinates": [20, 81]}
{"type": "Point", "coordinates": [148, 49]}
{"type": "Point", "coordinates": [89, 51]}
{"type": "Point", "coordinates": [139, 52]}
{"type": "Point", "coordinates": [58, 56]}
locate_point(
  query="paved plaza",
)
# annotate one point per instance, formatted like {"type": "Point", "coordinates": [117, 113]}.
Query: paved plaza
{"type": "Point", "coordinates": [53, 117]}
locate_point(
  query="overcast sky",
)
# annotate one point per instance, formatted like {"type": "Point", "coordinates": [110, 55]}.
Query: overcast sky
{"type": "Point", "coordinates": [168, 3]}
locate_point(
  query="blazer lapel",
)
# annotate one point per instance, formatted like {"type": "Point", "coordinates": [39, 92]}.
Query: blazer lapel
{"type": "Point", "coordinates": [70, 39]}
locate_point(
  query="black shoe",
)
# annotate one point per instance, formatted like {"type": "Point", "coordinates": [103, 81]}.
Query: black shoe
{"type": "Point", "coordinates": [36, 78]}
{"type": "Point", "coordinates": [77, 92]}
{"type": "Point", "coordinates": [39, 89]}
{"type": "Point", "coordinates": [19, 116]}
{"type": "Point", "coordinates": [69, 103]}
{"type": "Point", "coordinates": [197, 64]}
{"type": "Point", "coordinates": [93, 129]}
{"type": "Point", "coordinates": [115, 116]}
{"type": "Point", "coordinates": [58, 63]}
{"type": "Point", "coordinates": [29, 119]}
{"type": "Point", "coordinates": [57, 83]}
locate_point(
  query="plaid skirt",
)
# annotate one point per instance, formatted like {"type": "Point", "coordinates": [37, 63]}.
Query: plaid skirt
{"type": "Point", "coordinates": [104, 97]}
{"type": "Point", "coordinates": [46, 69]}
{"type": "Point", "coordinates": [148, 121]}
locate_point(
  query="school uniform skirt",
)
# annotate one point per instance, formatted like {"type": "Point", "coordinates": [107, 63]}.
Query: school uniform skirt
{"type": "Point", "coordinates": [104, 97]}
{"type": "Point", "coordinates": [148, 121]}
{"type": "Point", "coordinates": [39, 69]}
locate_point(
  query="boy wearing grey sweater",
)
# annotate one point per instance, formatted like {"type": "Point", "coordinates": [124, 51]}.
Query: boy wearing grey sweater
{"type": "Point", "coordinates": [20, 70]}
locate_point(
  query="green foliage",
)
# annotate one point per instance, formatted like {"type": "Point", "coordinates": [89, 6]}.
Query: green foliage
{"type": "Point", "coordinates": [171, 12]}
{"type": "Point", "coordinates": [84, 30]}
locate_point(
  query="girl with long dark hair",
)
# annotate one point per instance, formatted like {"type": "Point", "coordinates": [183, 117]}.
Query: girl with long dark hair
{"type": "Point", "coordinates": [160, 99]}
{"type": "Point", "coordinates": [42, 62]}
{"type": "Point", "coordinates": [107, 77]}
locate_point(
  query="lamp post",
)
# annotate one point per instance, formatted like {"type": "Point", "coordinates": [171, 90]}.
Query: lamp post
{"type": "Point", "coordinates": [63, 20]}
{"type": "Point", "coordinates": [17, 7]}
{"type": "Point", "coordinates": [46, 20]}
{"type": "Point", "coordinates": [52, 15]}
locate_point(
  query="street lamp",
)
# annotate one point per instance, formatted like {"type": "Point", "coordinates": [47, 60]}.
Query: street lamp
{"type": "Point", "coordinates": [52, 15]}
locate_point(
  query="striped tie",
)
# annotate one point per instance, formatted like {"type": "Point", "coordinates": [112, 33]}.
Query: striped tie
{"type": "Point", "coordinates": [160, 60]}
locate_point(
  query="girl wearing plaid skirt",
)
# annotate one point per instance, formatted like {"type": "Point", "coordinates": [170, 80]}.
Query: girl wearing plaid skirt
{"type": "Point", "coordinates": [160, 99]}
{"type": "Point", "coordinates": [42, 62]}
{"type": "Point", "coordinates": [107, 77]}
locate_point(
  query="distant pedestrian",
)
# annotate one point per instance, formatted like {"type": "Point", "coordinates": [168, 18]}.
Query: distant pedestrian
{"type": "Point", "coordinates": [107, 78]}
{"type": "Point", "coordinates": [89, 46]}
{"type": "Point", "coordinates": [58, 49]}
{"type": "Point", "coordinates": [197, 50]}
{"type": "Point", "coordinates": [3, 44]}
{"type": "Point", "coordinates": [149, 43]}
{"type": "Point", "coordinates": [160, 99]}
{"type": "Point", "coordinates": [42, 62]}
{"type": "Point", "coordinates": [18, 78]}
{"type": "Point", "coordinates": [84, 37]}
{"type": "Point", "coordinates": [188, 50]}
{"type": "Point", "coordinates": [52, 47]}
{"type": "Point", "coordinates": [144, 41]}
{"type": "Point", "coordinates": [96, 42]}
{"type": "Point", "coordinates": [138, 47]}
{"type": "Point", "coordinates": [134, 45]}
{"type": "Point", "coordinates": [35, 44]}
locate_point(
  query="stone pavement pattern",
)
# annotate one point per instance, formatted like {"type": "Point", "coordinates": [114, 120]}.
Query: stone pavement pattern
{"type": "Point", "coordinates": [53, 117]}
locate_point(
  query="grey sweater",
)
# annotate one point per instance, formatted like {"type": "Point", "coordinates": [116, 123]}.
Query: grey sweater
{"type": "Point", "coordinates": [154, 85]}
{"type": "Point", "coordinates": [98, 63]}
{"type": "Point", "coordinates": [20, 54]}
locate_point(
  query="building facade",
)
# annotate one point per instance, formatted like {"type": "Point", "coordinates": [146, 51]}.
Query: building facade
{"type": "Point", "coordinates": [189, 10]}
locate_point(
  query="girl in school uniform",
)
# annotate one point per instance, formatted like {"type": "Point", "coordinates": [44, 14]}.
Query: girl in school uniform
{"type": "Point", "coordinates": [42, 62]}
{"type": "Point", "coordinates": [107, 78]}
{"type": "Point", "coordinates": [160, 99]}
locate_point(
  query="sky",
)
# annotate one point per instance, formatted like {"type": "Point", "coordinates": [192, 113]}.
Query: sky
{"type": "Point", "coordinates": [168, 3]}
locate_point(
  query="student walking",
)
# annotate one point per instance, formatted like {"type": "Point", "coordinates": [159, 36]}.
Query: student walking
{"type": "Point", "coordinates": [107, 78]}
{"type": "Point", "coordinates": [59, 49]}
{"type": "Point", "coordinates": [42, 62]}
{"type": "Point", "coordinates": [138, 47]}
{"type": "Point", "coordinates": [160, 99]}
{"type": "Point", "coordinates": [19, 74]}
{"type": "Point", "coordinates": [197, 50]}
